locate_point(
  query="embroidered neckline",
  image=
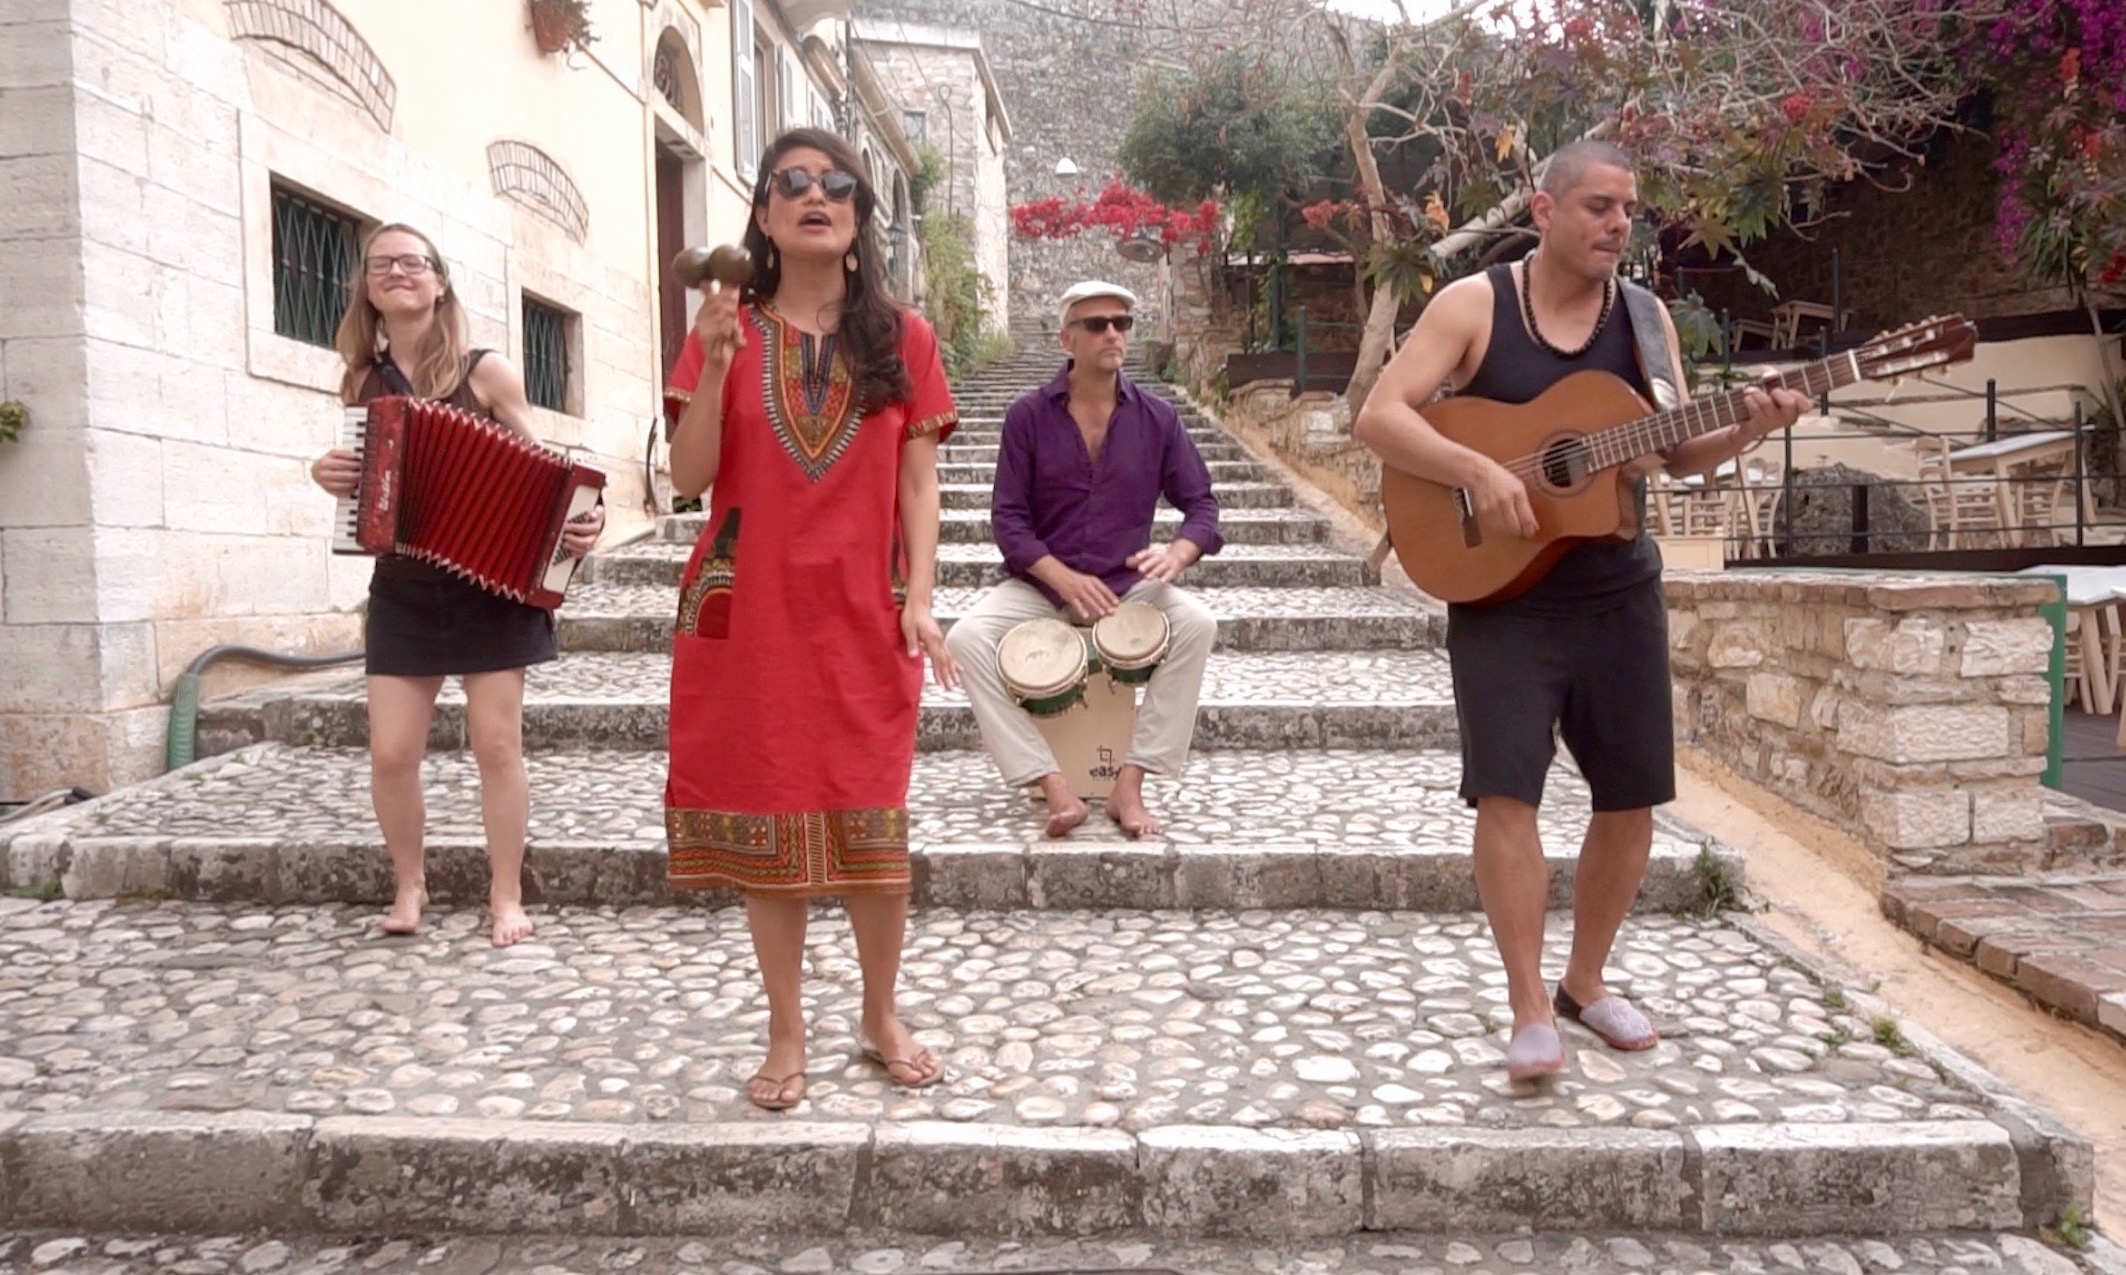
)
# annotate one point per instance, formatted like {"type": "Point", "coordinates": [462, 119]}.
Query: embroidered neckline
{"type": "Point", "coordinates": [810, 395]}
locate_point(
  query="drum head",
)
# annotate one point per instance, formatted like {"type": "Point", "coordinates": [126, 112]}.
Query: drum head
{"type": "Point", "coordinates": [1134, 636]}
{"type": "Point", "coordinates": [1041, 658]}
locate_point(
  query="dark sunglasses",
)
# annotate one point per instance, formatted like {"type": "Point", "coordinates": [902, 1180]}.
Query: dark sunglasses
{"type": "Point", "coordinates": [792, 183]}
{"type": "Point", "coordinates": [1098, 323]}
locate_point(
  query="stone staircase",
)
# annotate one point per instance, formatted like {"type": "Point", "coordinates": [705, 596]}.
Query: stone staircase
{"type": "Point", "coordinates": [1281, 1024]}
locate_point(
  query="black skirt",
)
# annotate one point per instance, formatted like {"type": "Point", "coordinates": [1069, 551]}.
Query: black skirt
{"type": "Point", "coordinates": [425, 622]}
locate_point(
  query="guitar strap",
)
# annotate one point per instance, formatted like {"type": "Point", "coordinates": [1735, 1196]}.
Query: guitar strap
{"type": "Point", "coordinates": [1656, 361]}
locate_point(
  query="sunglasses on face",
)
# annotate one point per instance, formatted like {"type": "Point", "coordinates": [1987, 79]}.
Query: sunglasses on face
{"type": "Point", "coordinates": [1098, 323]}
{"type": "Point", "coordinates": [411, 263]}
{"type": "Point", "coordinates": [792, 183]}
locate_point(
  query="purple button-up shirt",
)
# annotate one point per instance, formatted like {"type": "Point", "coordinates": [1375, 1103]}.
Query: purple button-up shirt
{"type": "Point", "coordinates": [1053, 497]}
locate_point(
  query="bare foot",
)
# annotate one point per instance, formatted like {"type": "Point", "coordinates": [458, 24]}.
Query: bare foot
{"type": "Point", "coordinates": [1060, 822]}
{"type": "Point", "coordinates": [511, 925]}
{"type": "Point", "coordinates": [1128, 810]}
{"type": "Point", "coordinates": [1065, 809]}
{"type": "Point", "coordinates": [405, 914]}
{"type": "Point", "coordinates": [906, 1062]}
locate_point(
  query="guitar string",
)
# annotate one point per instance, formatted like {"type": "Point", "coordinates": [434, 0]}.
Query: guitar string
{"type": "Point", "coordinates": [1838, 372]}
{"type": "Point", "coordinates": [1619, 439]}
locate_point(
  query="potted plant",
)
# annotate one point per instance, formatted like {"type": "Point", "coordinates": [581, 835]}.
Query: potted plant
{"type": "Point", "coordinates": [557, 24]}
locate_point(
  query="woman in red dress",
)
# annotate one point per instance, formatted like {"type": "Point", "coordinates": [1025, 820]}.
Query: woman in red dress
{"type": "Point", "coordinates": [814, 409]}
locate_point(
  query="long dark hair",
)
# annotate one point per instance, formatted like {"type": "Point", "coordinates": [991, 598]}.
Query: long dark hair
{"type": "Point", "coordinates": [870, 319]}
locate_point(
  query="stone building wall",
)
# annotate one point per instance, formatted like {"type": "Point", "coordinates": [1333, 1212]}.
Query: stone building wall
{"type": "Point", "coordinates": [159, 501]}
{"type": "Point", "coordinates": [1067, 83]}
{"type": "Point", "coordinates": [936, 75]}
{"type": "Point", "coordinates": [1912, 710]}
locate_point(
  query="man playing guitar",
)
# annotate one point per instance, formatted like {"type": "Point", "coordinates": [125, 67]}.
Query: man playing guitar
{"type": "Point", "coordinates": [1583, 652]}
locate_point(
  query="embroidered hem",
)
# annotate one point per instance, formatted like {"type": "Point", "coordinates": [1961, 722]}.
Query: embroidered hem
{"type": "Point", "coordinates": [940, 424]}
{"type": "Point", "coordinates": [810, 852]}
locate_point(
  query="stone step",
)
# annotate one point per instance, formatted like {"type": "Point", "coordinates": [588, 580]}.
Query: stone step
{"type": "Point", "coordinates": [1231, 495]}
{"type": "Point", "coordinates": [959, 453]}
{"type": "Point", "coordinates": [2057, 937]}
{"type": "Point", "coordinates": [1251, 699]}
{"type": "Point", "coordinates": [1222, 471]}
{"type": "Point", "coordinates": [1331, 828]}
{"type": "Point", "coordinates": [1284, 1075]}
{"type": "Point", "coordinates": [603, 617]}
{"type": "Point", "coordinates": [971, 526]}
{"type": "Point", "coordinates": [1149, 1253]}
{"type": "Point", "coordinates": [979, 565]}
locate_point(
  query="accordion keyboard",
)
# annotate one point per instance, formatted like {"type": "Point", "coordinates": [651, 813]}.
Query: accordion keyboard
{"type": "Point", "coordinates": [354, 433]}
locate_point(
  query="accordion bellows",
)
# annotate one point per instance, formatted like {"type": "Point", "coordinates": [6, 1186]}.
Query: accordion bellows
{"type": "Point", "coordinates": [466, 494]}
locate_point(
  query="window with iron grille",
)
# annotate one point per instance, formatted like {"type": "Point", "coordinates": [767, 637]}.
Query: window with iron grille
{"type": "Point", "coordinates": [914, 124]}
{"type": "Point", "coordinates": [314, 254]}
{"type": "Point", "coordinates": [546, 354]}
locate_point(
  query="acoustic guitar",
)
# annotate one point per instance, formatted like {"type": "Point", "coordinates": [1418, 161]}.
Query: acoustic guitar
{"type": "Point", "coordinates": [1572, 444]}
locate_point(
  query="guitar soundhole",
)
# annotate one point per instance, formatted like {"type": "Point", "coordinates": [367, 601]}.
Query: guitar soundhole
{"type": "Point", "coordinates": [1564, 463]}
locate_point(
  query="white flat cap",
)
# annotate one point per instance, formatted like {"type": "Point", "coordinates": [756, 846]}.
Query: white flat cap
{"type": "Point", "coordinates": [1089, 289]}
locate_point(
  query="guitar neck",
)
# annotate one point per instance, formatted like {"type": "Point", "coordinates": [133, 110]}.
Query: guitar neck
{"type": "Point", "coordinates": [1663, 430]}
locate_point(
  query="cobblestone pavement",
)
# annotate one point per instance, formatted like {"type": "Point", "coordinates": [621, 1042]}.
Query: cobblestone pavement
{"type": "Point", "coordinates": [1234, 679]}
{"type": "Point", "coordinates": [1129, 1020]}
{"type": "Point", "coordinates": [1382, 1254]}
{"type": "Point", "coordinates": [1348, 798]}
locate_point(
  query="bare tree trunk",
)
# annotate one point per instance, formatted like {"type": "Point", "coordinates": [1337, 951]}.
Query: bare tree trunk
{"type": "Point", "coordinates": [1380, 316]}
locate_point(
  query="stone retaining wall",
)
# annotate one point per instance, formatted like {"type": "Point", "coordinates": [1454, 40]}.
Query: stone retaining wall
{"type": "Point", "coordinates": [1912, 710]}
{"type": "Point", "coordinates": [1312, 434]}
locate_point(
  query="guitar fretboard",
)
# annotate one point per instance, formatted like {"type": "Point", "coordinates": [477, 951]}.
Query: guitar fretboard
{"type": "Point", "coordinates": [1662, 430]}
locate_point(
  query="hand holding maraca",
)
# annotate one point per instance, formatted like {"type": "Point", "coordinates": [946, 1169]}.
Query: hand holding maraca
{"type": "Point", "coordinates": [719, 273]}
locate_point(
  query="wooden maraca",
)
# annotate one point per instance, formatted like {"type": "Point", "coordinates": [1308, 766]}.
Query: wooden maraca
{"type": "Point", "coordinates": [728, 264]}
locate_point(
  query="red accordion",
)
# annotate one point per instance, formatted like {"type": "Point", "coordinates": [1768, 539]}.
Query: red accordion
{"type": "Point", "coordinates": [463, 493]}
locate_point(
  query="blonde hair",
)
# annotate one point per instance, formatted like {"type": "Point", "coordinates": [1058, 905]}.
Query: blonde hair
{"type": "Point", "coordinates": [437, 366]}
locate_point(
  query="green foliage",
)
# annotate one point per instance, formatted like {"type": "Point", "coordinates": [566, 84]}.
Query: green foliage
{"type": "Point", "coordinates": [930, 170]}
{"type": "Point", "coordinates": [1230, 128]}
{"type": "Point", "coordinates": [1889, 1035]}
{"type": "Point", "coordinates": [1406, 267]}
{"type": "Point", "coordinates": [1834, 999]}
{"type": "Point", "coordinates": [44, 890]}
{"type": "Point", "coordinates": [13, 416]}
{"type": "Point", "coordinates": [2072, 1231]}
{"type": "Point", "coordinates": [1697, 328]}
{"type": "Point", "coordinates": [1719, 885]}
{"type": "Point", "coordinates": [955, 293]}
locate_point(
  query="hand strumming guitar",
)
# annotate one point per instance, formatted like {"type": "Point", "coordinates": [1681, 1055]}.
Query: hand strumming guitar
{"type": "Point", "coordinates": [1500, 499]}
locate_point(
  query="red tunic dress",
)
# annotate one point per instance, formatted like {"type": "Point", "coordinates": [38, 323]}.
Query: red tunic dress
{"type": "Point", "coordinates": [794, 698]}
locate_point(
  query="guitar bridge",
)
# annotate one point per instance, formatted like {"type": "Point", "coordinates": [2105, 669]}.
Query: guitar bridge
{"type": "Point", "coordinates": [1472, 531]}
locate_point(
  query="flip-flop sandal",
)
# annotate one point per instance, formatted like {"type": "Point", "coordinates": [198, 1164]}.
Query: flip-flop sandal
{"type": "Point", "coordinates": [778, 1102]}
{"type": "Point", "coordinates": [872, 1053]}
{"type": "Point", "coordinates": [1535, 1052]}
{"type": "Point", "coordinates": [1616, 1020]}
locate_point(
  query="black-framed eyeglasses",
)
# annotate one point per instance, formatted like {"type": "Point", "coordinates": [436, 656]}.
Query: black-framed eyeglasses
{"type": "Point", "coordinates": [792, 183]}
{"type": "Point", "coordinates": [411, 263]}
{"type": "Point", "coordinates": [1099, 323]}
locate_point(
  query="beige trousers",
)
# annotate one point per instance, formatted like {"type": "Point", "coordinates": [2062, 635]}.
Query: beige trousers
{"type": "Point", "coordinates": [1166, 716]}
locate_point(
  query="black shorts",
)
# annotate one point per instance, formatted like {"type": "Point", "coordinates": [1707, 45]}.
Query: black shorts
{"type": "Point", "coordinates": [424, 622]}
{"type": "Point", "coordinates": [1599, 679]}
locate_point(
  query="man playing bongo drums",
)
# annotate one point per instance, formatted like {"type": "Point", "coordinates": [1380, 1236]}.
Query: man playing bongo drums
{"type": "Point", "coordinates": [1083, 463]}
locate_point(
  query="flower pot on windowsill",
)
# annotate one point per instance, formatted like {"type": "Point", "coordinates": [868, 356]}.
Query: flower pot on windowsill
{"type": "Point", "coordinates": [557, 24]}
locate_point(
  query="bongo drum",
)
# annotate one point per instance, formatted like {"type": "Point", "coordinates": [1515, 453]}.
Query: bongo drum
{"type": "Point", "coordinates": [1131, 642]}
{"type": "Point", "coordinates": [1043, 663]}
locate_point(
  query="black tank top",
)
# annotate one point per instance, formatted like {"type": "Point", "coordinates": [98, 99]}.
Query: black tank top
{"type": "Point", "coordinates": [1515, 369]}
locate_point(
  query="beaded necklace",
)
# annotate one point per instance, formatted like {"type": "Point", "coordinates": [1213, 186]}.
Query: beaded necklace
{"type": "Point", "coordinates": [1609, 296]}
